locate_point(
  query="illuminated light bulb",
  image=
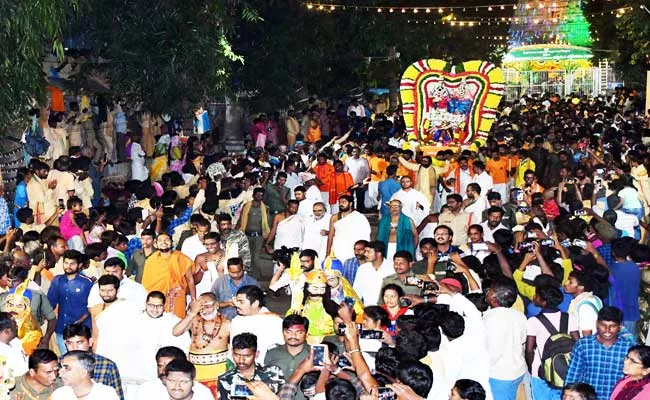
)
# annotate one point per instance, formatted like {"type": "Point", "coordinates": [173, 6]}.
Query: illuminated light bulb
{"type": "Point", "coordinates": [471, 24]}
{"type": "Point", "coordinates": [321, 7]}
{"type": "Point", "coordinates": [490, 8]}
{"type": "Point", "coordinates": [310, 6]}
{"type": "Point", "coordinates": [503, 7]}
{"type": "Point", "coordinates": [391, 10]}
{"type": "Point", "coordinates": [440, 10]}
{"type": "Point", "coordinates": [514, 7]}
{"type": "Point", "coordinates": [403, 10]}
{"type": "Point", "coordinates": [415, 11]}
{"type": "Point", "coordinates": [332, 8]}
{"type": "Point", "coordinates": [379, 10]}
{"type": "Point", "coordinates": [453, 23]}
{"type": "Point", "coordinates": [461, 23]}
{"type": "Point", "coordinates": [428, 10]}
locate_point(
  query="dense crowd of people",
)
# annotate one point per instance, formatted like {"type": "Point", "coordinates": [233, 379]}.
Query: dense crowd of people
{"type": "Point", "coordinates": [514, 268]}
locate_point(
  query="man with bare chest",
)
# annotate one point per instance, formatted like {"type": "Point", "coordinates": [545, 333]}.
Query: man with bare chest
{"type": "Point", "coordinates": [210, 337]}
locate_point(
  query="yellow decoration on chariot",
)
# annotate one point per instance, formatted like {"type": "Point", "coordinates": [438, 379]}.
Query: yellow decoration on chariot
{"type": "Point", "coordinates": [18, 304]}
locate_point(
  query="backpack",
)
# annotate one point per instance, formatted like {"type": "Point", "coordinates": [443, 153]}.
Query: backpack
{"type": "Point", "coordinates": [35, 143]}
{"type": "Point", "coordinates": [557, 352]}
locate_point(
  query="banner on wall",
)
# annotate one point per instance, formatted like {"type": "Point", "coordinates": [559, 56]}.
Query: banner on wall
{"type": "Point", "coordinates": [450, 104]}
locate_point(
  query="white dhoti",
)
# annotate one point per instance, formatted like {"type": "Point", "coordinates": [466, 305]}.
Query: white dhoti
{"type": "Point", "coordinates": [289, 233]}
{"type": "Point", "coordinates": [371, 194]}
{"type": "Point", "coordinates": [391, 249]}
{"type": "Point", "coordinates": [348, 230]}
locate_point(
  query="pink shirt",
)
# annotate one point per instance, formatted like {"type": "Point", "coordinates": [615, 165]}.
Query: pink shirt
{"type": "Point", "coordinates": [535, 328]}
{"type": "Point", "coordinates": [68, 229]}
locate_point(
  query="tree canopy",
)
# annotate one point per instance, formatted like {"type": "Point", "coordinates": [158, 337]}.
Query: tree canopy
{"type": "Point", "coordinates": [30, 28]}
{"type": "Point", "coordinates": [166, 55]}
{"type": "Point", "coordinates": [623, 37]}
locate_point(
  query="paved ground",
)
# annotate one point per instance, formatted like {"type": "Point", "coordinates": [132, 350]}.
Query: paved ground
{"type": "Point", "coordinates": [279, 302]}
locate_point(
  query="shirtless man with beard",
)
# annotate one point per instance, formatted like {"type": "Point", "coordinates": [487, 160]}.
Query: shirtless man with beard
{"type": "Point", "coordinates": [210, 337]}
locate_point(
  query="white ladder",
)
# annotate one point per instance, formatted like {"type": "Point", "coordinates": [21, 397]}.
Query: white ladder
{"type": "Point", "coordinates": [603, 66]}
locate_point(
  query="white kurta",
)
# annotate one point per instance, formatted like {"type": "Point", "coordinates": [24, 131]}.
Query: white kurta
{"type": "Point", "coordinates": [313, 238]}
{"type": "Point", "coordinates": [348, 230]}
{"type": "Point", "coordinates": [116, 340]}
{"type": "Point", "coordinates": [154, 333]}
{"type": "Point", "coordinates": [415, 205]}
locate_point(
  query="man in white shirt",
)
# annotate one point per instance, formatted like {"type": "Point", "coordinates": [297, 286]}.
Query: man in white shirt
{"type": "Point", "coordinates": [254, 318]}
{"type": "Point", "coordinates": [475, 203]}
{"type": "Point", "coordinates": [482, 177]}
{"type": "Point", "coordinates": [156, 388]}
{"type": "Point", "coordinates": [359, 168]}
{"type": "Point", "coordinates": [492, 223]}
{"type": "Point", "coordinates": [464, 356]}
{"type": "Point", "coordinates": [505, 330]}
{"type": "Point", "coordinates": [460, 177]}
{"type": "Point", "coordinates": [305, 205]}
{"type": "Point", "coordinates": [10, 346]}
{"type": "Point", "coordinates": [110, 320]}
{"type": "Point", "coordinates": [77, 369]}
{"type": "Point", "coordinates": [357, 108]}
{"type": "Point", "coordinates": [317, 230]}
{"type": "Point", "coordinates": [367, 283]}
{"type": "Point", "coordinates": [415, 204]}
{"type": "Point", "coordinates": [293, 178]}
{"type": "Point", "coordinates": [585, 305]}
{"type": "Point", "coordinates": [155, 332]}
{"type": "Point", "coordinates": [193, 245]}
{"type": "Point", "coordinates": [130, 290]}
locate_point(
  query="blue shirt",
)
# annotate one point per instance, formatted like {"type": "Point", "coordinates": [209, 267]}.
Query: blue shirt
{"type": "Point", "coordinates": [532, 310]}
{"type": "Point", "coordinates": [597, 365]}
{"type": "Point", "coordinates": [350, 267]}
{"type": "Point", "coordinates": [225, 290]}
{"type": "Point", "coordinates": [20, 201]}
{"type": "Point", "coordinates": [387, 189]}
{"type": "Point", "coordinates": [627, 277]}
{"type": "Point", "coordinates": [605, 252]}
{"type": "Point", "coordinates": [135, 243]}
{"type": "Point", "coordinates": [5, 216]}
{"type": "Point", "coordinates": [71, 295]}
{"type": "Point", "coordinates": [179, 221]}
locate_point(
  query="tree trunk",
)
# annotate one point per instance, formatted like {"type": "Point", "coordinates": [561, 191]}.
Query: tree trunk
{"type": "Point", "coordinates": [234, 127]}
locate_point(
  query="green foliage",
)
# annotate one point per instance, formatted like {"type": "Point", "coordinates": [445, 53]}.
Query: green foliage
{"type": "Point", "coordinates": [624, 39]}
{"type": "Point", "coordinates": [28, 29]}
{"type": "Point", "coordinates": [168, 55]}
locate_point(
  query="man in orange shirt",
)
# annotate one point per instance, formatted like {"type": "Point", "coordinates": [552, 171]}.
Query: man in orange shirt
{"type": "Point", "coordinates": [377, 174]}
{"type": "Point", "coordinates": [403, 171]}
{"type": "Point", "coordinates": [340, 184]}
{"type": "Point", "coordinates": [497, 167]}
{"type": "Point", "coordinates": [323, 171]}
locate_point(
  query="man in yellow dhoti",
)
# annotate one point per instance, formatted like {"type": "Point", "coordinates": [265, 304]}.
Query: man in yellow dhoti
{"type": "Point", "coordinates": [170, 272]}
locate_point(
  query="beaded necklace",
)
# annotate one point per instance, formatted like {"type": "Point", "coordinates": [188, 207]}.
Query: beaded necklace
{"type": "Point", "coordinates": [209, 337]}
